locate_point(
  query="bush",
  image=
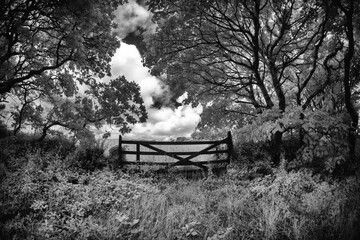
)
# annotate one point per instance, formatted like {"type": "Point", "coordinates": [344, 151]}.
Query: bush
{"type": "Point", "coordinates": [89, 159]}
{"type": "Point", "coordinates": [113, 159]}
{"type": "Point", "coordinates": [250, 152]}
{"type": "Point", "coordinates": [18, 147]}
{"type": "Point", "coordinates": [15, 146]}
{"type": "Point", "coordinates": [60, 145]}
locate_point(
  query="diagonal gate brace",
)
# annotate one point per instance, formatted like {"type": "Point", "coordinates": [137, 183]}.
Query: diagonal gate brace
{"type": "Point", "coordinates": [184, 161]}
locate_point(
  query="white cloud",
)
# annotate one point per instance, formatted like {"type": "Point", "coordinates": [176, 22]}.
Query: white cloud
{"type": "Point", "coordinates": [180, 122]}
{"type": "Point", "coordinates": [182, 97]}
{"type": "Point", "coordinates": [127, 62]}
{"type": "Point", "coordinates": [164, 123]}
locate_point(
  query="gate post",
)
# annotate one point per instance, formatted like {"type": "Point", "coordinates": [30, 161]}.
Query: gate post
{"type": "Point", "coordinates": [120, 152]}
{"type": "Point", "coordinates": [230, 146]}
{"type": "Point", "coordinates": [138, 155]}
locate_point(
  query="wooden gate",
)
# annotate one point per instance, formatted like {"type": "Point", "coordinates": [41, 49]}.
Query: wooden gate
{"type": "Point", "coordinates": [181, 161]}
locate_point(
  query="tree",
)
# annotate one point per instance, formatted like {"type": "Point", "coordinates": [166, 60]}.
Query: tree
{"type": "Point", "coordinates": [265, 54]}
{"type": "Point", "coordinates": [347, 10]}
{"type": "Point", "coordinates": [52, 57]}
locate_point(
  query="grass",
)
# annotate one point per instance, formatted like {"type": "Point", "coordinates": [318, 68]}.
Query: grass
{"type": "Point", "coordinates": [42, 198]}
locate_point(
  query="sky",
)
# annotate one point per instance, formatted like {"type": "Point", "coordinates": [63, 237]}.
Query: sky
{"type": "Point", "coordinates": [164, 123]}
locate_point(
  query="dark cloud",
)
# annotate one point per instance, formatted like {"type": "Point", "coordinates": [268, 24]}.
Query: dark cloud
{"type": "Point", "coordinates": [136, 38]}
{"type": "Point", "coordinates": [131, 17]}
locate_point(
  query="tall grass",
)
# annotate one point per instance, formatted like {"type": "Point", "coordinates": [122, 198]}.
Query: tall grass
{"type": "Point", "coordinates": [41, 197]}
{"type": "Point", "coordinates": [285, 206]}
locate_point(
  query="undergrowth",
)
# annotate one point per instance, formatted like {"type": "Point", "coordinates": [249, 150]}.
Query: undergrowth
{"type": "Point", "coordinates": [43, 197]}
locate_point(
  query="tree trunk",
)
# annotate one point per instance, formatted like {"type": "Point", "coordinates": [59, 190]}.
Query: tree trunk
{"type": "Point", "coordinates": [349, 29]}
{"type": "Point", "coordinates": [277, 137]}
{"type": "Point", "coordinates": [301, 131]}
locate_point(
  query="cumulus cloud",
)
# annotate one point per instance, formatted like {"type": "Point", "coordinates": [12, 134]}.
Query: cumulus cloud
{"type": "Point", "coordinates": [127, 62]}
{"type": "Point", "coordinates": [163, 123]}
{"type": "Point", "coordinates": [168, 123]}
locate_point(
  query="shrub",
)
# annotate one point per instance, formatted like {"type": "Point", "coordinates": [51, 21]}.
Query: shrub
{"type": "Point", "coordinates": [59, 145]}
{"type": "Point", "coordinates": [249, 153]}
{"type": "Point", "coordinates": [323, 144]}
{"type": "Point", "coordinates": [89, 159]}
{"type": "Point", "coordinates": [113, 159]}
{"type": "Point", "coordinates": [15, 146]}
{"type": "Point", "coordinates": [250, 160]}
{"type": "Point", "coordinates": [325, 141]}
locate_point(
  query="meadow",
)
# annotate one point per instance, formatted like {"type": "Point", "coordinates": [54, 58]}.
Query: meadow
{"type": "Point", "coordinates": [47, 193]}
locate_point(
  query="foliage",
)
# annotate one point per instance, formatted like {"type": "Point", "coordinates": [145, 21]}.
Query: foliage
{"type": "Point", "coordinates": [38, 37]}
{"type": "Point", "coordinates": [325, 138]}
{"type": "Point", "coordinates": [53, 55]}
{"type": "Point", "coordinates": [219, 116]}
{"type": "Point", "coordinates": [257, 57]}
{"type": "Point", "coordinates": [252, 155]}
{"type": "Point", "coordinates": [321, 135]}
{"type": "Point", "coordinates": [209, 133]}
{"type": "Point", "coordinates": [209, 45]}
{"type": "Point", "coordinates": [43, 198]}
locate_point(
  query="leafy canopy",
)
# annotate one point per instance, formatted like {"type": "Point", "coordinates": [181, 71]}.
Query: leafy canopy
{"type": "Point", "coordinates": [52, 55]}
{"type": "Point", "coordinates": [256, 57]}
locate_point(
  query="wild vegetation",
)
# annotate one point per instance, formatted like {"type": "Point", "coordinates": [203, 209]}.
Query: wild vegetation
{"type": "Point", "coordinates": [58, 191]}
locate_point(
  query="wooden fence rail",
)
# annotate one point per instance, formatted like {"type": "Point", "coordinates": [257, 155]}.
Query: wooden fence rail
{"type": "Point", "coordinates": [182, 161]}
